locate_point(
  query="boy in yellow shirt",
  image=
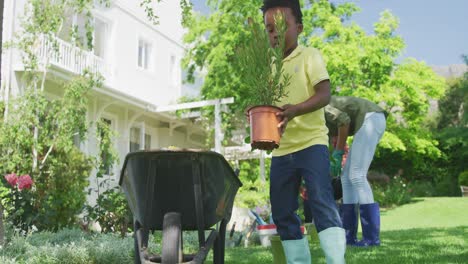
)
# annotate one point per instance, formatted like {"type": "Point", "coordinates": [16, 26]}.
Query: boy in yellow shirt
{"type": "Point", "coordinates": [303, 151]}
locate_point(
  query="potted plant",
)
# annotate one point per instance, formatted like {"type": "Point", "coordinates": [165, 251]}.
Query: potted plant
{"type": "Point", "coordinates": [260, 69]}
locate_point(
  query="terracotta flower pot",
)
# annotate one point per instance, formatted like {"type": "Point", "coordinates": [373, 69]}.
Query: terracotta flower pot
{"type": "Point", "coordinates": [264, 132]}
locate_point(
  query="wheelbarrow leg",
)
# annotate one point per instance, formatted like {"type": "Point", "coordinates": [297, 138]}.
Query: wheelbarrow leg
{"type": "Point", "coordinates": [218, 248]}
{"type": "Point", "coordinates": [141, 238]}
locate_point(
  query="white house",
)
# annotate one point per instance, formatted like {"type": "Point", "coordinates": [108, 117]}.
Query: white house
{"type": "Point", "coordinates": [141, 64]}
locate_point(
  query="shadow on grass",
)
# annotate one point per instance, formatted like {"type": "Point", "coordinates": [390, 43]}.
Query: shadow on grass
{"type": "Point", "coordinates": [416, 200]}
{"type": "Point", "coordinates": [424, 245]}
{"type": "Point", "coordinates": [413, 200]}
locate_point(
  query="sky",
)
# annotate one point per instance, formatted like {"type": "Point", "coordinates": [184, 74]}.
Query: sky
{"type": "Point", "coordinates": [434, 31]}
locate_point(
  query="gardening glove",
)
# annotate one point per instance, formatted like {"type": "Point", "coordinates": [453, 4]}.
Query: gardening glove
{"type": "Point", "coordinates": [335, 162]}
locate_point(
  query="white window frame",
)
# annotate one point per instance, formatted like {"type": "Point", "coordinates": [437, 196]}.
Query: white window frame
{"type": "Point", "coordinates": [147, 58]}
{"type": "Point", "coordinates": [142, 127]}
{"type": "Point", "coordinates": [174, 78]}
{"type": "Point", "coordinates": [150, 139]}
{"type": "Point", "coordinates": [108, 32]}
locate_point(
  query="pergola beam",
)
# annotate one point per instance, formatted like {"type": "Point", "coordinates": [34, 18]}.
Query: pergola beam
{"type": "Point", "coordinates": [175, 107]}
{"type": "Point", "coordinates": [216, 102]}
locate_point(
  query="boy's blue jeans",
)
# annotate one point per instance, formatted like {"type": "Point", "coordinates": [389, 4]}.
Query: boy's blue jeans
{"type": "Point", "coordinates": [286, 173]}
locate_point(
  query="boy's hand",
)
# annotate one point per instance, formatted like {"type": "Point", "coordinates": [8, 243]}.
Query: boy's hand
{"type": "Point", "coordinates": [285, 116]}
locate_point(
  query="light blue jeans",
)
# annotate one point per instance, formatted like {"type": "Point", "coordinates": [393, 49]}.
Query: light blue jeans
{"type": "Point", "coordinates": [356, 188]}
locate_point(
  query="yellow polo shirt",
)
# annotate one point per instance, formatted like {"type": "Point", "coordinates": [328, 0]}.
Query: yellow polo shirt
{"type": "Point", "coordinates": [306, 68]}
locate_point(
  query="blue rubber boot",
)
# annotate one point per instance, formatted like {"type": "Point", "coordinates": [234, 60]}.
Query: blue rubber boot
{"type": "Point", "coordinates": [333, 243]}
{"type": "Point", "coordinates": [349, 219]}
{"type": "Point", "coordinates": [297, 251]}
{"type": "Point", "coordinates": [370, 223]}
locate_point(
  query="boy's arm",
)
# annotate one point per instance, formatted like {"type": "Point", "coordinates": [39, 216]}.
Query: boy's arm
{"type": "Point", "coordinates": [320, 99]}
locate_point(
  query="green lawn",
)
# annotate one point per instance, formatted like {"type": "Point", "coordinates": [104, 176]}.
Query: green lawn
{"type": "Point", "coordinates": [429, 230]}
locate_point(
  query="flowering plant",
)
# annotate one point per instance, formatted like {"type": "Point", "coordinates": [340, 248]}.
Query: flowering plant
{"type": "Point", "coordinates": [22, 182]}
{"type": "Point", "coordinates": [18, 200]}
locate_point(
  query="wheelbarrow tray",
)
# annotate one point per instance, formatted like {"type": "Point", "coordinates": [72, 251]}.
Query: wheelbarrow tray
{"type": "Point", "coordinates": [161, 181]}
{"type": "Point", "coordinates": [175, 191]}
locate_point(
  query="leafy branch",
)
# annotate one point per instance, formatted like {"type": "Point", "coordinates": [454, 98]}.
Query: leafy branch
{"type": "Point", "coordinates": [260, 65]}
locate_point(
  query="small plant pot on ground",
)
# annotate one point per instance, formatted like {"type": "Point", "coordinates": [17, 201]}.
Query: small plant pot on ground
{"type": "Point", "coordinates": [265, 232]}
{"type": "Point", "coordinates": [264, 132]}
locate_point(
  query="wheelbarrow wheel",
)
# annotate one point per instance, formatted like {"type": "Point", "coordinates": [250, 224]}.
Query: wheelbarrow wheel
{"type": "Point", "coordinates": [172, 239]}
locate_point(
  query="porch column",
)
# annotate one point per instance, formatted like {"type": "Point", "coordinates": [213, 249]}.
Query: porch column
{"type": "Point", "coordinates": [262, 166]}
{"type": "Point", "coordinates": [142, 136]}
{"type": "Point", "coordinates": [218, 132]}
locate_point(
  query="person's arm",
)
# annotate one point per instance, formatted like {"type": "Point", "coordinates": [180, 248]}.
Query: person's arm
{"type": "Point", "coordinates": [343, 132]}
{"type": "Point", "coordinates": [339, 120]}
{"type": "Point", "coordinates": [338, 123]}
{"type": "Point", "coordinates": [319, 100]}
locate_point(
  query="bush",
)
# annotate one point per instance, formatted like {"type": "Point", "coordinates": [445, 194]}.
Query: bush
{"type": "Point", "coordinates": [112, 212]}
{"type": "Point", "coordinates": [253, 192]}
{"type": "Point", "coordinates": [62, 190]}
{"type": "Point", "coordinates": [17, 201]}
{"type": "Point", "coordinates": [64, 236]}
{"type": "Point", "coordinates": [446, 183]}
{"type": "Point", "coordinates": [422, 189]}
{"type": "Point", "coordinates": [38, 139]}
{"type": "Point", "coordinates": [57, 196]}
{"type": "Point", "coordinates": [463, 178]}
{"type": "Point", "coordinates": [58, 193]}
{"type": "Point", "coordinates": [396, 192]}
{"type": "Point", "coordinates": [68, 246]}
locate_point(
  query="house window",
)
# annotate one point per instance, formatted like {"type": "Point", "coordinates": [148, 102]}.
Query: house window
{"type": "Point", "coordinates": [101, 37]}
{"type": "Point", "coordinates": [147, 142]}
{"type": "Point", "coordinates": [74, 30]}
{"type": "Point", "coordinates": [135, 141]}
{"type": "Point", "coordinates": [144, 54]}
{"type": "Point", "coordinates": [67, 26]}
{"type": "Point", "coordinates": [173, 72]}
{"type": "Point", "coordinates": [79, 36]}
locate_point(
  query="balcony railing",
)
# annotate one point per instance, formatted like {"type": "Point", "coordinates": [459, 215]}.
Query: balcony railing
{"type": "Point", "coordinates": [64, 55]}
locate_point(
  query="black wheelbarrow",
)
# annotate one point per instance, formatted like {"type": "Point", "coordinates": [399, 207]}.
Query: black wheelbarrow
{"type": "Point", "coordinates": [176, 191]}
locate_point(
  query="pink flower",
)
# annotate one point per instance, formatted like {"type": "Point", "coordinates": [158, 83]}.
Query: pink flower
{"type": "Point", "coordinates": [11, 179]}
{"type": "Point", "coordinates": [24, 182]}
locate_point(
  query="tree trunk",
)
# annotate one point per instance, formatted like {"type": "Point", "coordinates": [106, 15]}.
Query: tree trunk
{"type": "Point", "coordinates": [2, 228]}
{"type": "Point", "coordinates": [1, 35]}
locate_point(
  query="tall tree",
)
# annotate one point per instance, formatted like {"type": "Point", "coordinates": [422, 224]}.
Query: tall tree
{"type": "Point", "coordinates": [359, 63]}
{"type": "Point", "coordinates": [38, 139]}
{"type": "Point", "coordinates": [2, 3]}
{"type": "Point", "coordinates": [452, 129]}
